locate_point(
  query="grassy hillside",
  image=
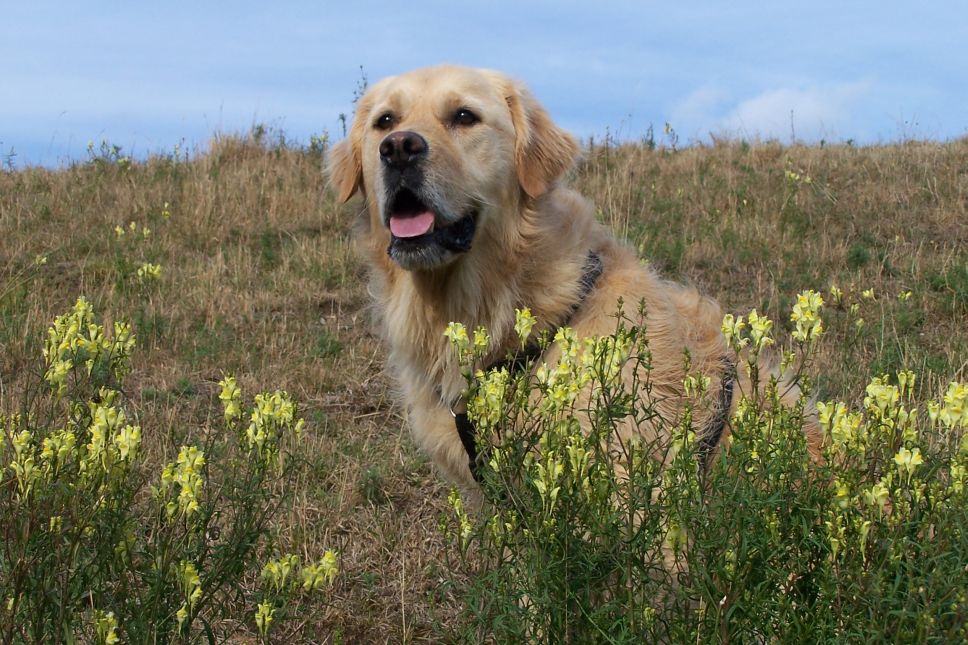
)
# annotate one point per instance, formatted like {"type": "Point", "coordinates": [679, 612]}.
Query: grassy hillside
{"type": "Point", "coordinates": [258, 278]}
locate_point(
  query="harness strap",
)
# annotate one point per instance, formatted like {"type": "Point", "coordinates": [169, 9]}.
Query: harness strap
{"type": "Point", "coordinates": [717, 425]}
{"type": "Point", "coordinates": [468, 437]}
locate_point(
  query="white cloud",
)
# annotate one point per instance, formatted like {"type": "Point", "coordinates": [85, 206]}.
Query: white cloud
{"type": "Point", "coordinates": [699, 113]}
{"type": "Point", "coordinates": [809, 113]}
{"type": "Point", "coordinates": [700, 107]}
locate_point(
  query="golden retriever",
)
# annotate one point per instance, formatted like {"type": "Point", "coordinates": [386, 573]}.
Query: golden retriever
{"type": "Point", "coordinates": [466, 219]}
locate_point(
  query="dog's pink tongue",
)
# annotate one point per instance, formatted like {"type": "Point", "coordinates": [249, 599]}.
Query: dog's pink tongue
{"type": "Point", "coordinates": [412, 225]}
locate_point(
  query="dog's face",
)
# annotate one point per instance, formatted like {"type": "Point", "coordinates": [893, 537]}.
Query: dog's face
{"type": "Point", "coordinates": [442, 152]}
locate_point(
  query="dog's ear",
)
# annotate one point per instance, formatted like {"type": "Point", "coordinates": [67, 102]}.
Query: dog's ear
{"type": "Point", "coordinates": [542, 150]}
{"type": "Point", "coordinates": [344, 163]}
{"type": "Point", "coordinates": [344, 168]}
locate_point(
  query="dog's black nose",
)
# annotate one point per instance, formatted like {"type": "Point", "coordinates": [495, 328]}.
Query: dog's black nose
{"type": "Point", "coordinates": [400, 149]}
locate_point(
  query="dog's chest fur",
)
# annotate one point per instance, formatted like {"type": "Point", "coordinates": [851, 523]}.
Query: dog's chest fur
{"type": "Point", "coordinates": [538, 267]}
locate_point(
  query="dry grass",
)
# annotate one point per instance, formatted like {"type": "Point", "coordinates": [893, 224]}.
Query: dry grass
{"type": "Point", "coordinates": [259, 279]}
{"type": "Point", "coordinates": [734, 220]}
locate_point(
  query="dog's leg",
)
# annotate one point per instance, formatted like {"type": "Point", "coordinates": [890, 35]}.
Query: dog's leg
{"type": "Point", "coordinates": [435, 432]}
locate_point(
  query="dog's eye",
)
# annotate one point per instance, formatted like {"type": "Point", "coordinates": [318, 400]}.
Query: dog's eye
{"type": "Point", "coordinates": [384, 121]}
{"type": "Point", "coordinates": [465, 117]}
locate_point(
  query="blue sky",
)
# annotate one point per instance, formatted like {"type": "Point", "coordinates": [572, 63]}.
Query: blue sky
{"type": "Point", "coordinates": [147, 76]}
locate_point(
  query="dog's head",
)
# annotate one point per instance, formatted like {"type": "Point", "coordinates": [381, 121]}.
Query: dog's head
{"type": "Point", "coordinates": [442, 152]}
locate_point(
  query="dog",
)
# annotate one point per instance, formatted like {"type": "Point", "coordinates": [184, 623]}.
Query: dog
{"type": "Point", "coordinates": [466, 218]}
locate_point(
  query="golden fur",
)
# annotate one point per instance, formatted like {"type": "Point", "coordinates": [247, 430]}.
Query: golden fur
{"type": "Point", "coordinates": [532, 240]}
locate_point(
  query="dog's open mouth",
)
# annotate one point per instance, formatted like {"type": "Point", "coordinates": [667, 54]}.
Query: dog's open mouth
{"type": "Point", "coordinates": [409, 217]}
{"type": "Point", "coordinates": [420, 237]}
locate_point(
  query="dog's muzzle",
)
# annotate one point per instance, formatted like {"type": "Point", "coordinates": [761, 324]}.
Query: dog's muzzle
{"type": "Point", "coordinates": [419, 238]}
{"type": "Point", "coordinates": [423, 234]}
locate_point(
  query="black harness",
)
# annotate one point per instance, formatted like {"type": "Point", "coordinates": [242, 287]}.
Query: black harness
{"type": "Point", "coordinates": [591, 272]}
{"type": "Point", "coordinates": [717, 425]}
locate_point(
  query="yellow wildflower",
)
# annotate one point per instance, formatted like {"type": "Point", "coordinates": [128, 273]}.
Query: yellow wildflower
{"type": "Point", "coordinates": [733, 332]}
{"type": "Point", "coordinates": [189, 582]}
{"type": "Point", "coordinates": [127, 442]}
{"type": "Point", "coordinates": [954, 412]}
{"type": "Point", "coordinates": [148, 272]}
{"type": "Point", "coordinates": [481, 341]}
{"type": "Point", "coordinates": [696, 385]}
{"type": "Point", "coordinates": [523, 324]}
{"type": "Point", "coordinates": [105, 421]}
{"type": "Point", "coordinates": [905, 381]}
{"type": "Point", "coordinates": [841, 494]}
{"type": "Point", "coordinates": [549, 471]}
{"type": "Point", "coordinates": [276, 572]}
{"type": "Point", "coordinates": [330, 565]}
{"type": "Point", "coordinates": [486, 404]}
{"type": "Point", "coordinates": [760, 327]}
{"type": "Point", "coordinates": [272, 413]}
{"type": "Point", "coordinates": [836, 294]}
{"type": "Point", "coordinates": [882, 397]}
{"type": "Point", "coordinates": [806, 315]}
{"type": "Point", "coordinates": [230, 396]}
{"type": "Point", "coordinates": [456, 333]}
{"type": "Point", "coordinates": [907, 461]}
{"type": "Point", "coordinates": [462, 519]}
{"type": "Point", "coordinates": [23, 464]}
{"type": "Point", "coordinates": [184, 476]}
{"type": "Point", "coordinates": [578, 460]}
{"type": "Point", "coordinates": [958, 476]}
{"type": "Point", "coordinates": [835, 530]}
{"type": "Point", "coordinates": [877, 496]}
{"type": "Point", "coordinates": [603, 356]}
{"type": "Point", "coordinates": [263, 617]}
{"type": "Point", "coordinates": [314, 576]}
{"type": "Point", "coordinates": [74, 339]}
{"type": "Point", "coordinates": [105, 628]}
{"type": "Point", "coordinates": [845, 429]}
{"type": "Point", "coordinates": [864, 531]}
